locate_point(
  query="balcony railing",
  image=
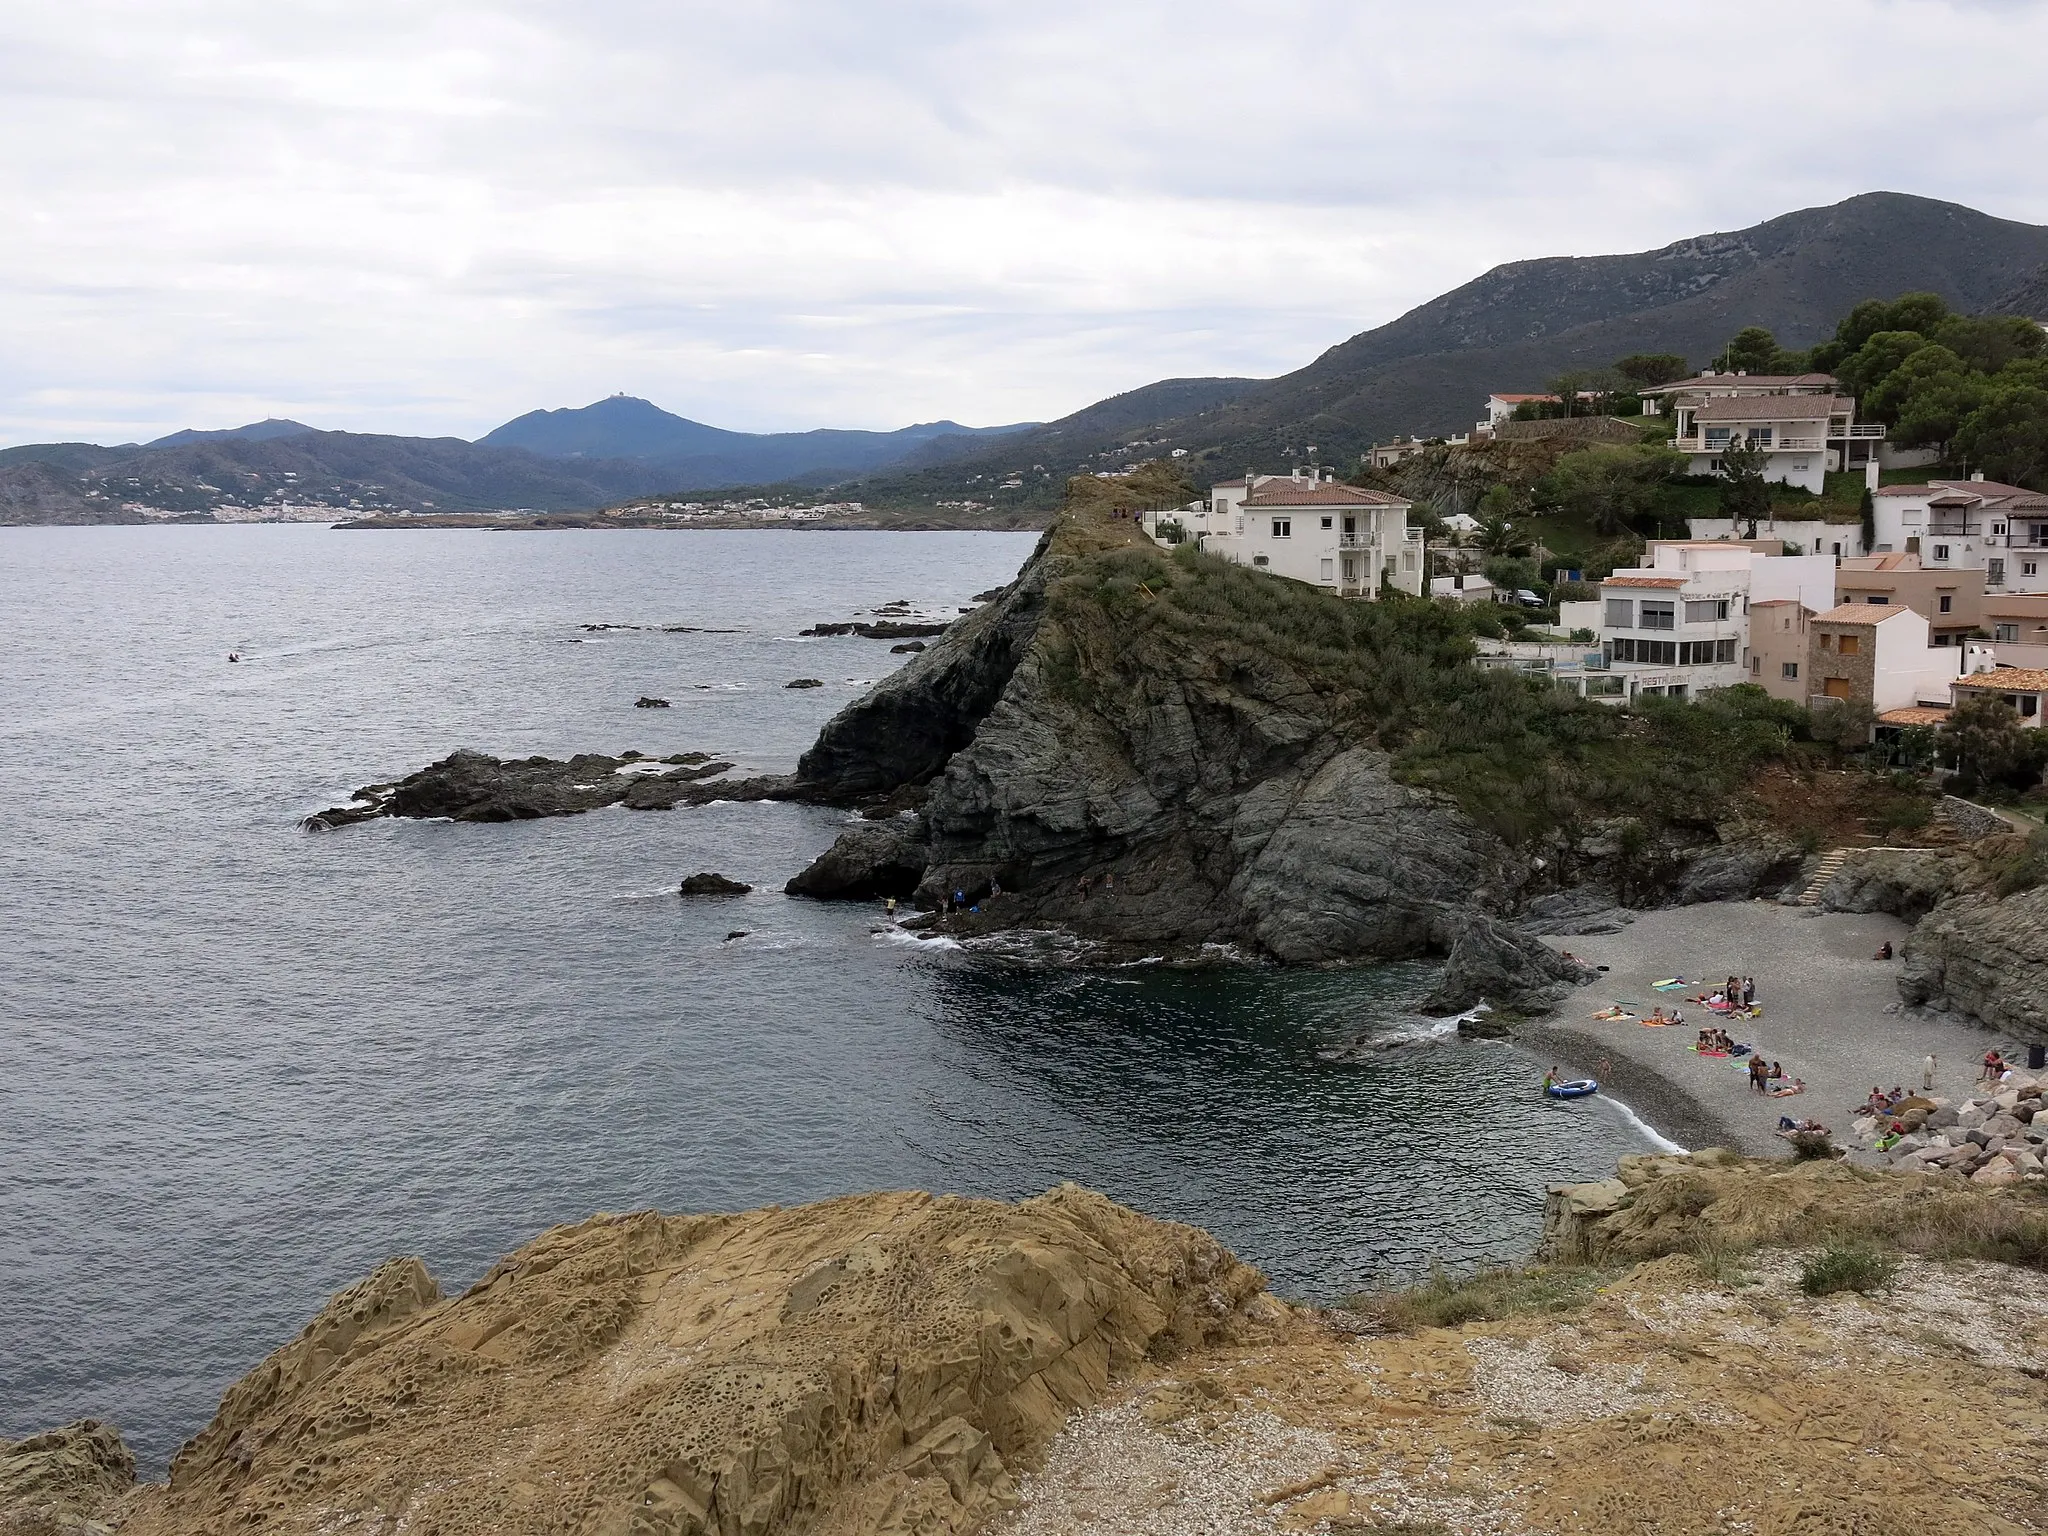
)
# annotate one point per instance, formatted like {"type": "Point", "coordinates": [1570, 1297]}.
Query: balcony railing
{"type": "Point", "coordinates": [1697, 444]}
{"type": "Point", "coordinates": [1358, 541]}
{"type": "Point", "coordinates": [1862, 429]}
{"type": "Point", "coordinates": [1954, 530]}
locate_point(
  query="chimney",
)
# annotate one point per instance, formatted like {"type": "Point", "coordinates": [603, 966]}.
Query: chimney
{"type": "Point", "coordinates": [1976, 474]}
{"type": "Point", "coordinates": [1870, 473]}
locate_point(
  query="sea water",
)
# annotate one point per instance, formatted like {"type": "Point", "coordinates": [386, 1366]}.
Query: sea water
{"type": "Point", "coordinates": [241, 1064]}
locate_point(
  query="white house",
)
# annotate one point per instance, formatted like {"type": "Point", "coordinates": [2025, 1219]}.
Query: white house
{"type": "Point", "coordinates": [1680, 625]}
{"type": "Point", "coordinates": [1709, 385]}
{"type": "Point", "coordinates": [1465, 588]}
{"type": "Point", "coordinates": [1500, 408]}
{"type": "Point", "coordinates": [1808, 535]}
{"type": "Point", "coordinates": [1973, 524]}
{"type": "Point", "coordinates": [2024, 688]}
{"type": "Point", "coordinates": [1308, 527]}
{"type": "Point", "coordinates": [1804, 428]}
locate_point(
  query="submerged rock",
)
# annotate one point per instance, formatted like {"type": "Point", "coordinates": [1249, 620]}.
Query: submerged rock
{"type": "Point", "coordinates": [474, 786]}
{"type": "Point", "coordinates": [805, 682]}
{"type": "Point", "coordinates": [647, 702]}
{"type": "Point", "coordinates": [880, 629]}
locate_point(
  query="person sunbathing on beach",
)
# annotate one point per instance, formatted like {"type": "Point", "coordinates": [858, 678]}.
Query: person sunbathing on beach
{"type": "Point", "coordinates": [1783, 1090]}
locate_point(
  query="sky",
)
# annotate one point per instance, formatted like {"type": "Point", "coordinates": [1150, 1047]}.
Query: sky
{"type": "Point", "coordinates": [425, 217]}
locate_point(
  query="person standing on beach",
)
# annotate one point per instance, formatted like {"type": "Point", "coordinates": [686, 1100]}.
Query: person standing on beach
{"type": "Point", "coordinates": [1927, 1074]}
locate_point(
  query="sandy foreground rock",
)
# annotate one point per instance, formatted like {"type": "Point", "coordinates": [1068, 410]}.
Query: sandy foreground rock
{"type": "Point", "coordinates": [872, 1364]}
{"type": "Point", "coordinates": [894, 1364]}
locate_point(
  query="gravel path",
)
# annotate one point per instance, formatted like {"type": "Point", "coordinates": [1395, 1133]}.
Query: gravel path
{"type": "Point", "coordinates": [1831, 1015]}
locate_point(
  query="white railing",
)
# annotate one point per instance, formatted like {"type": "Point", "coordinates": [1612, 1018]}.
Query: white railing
{"type": "Point", "coordinates": [1358, 541]}
{"type": "Point", "coordinates": [1869, 429]}
{"type": "Point", "coordinates": [1780, 445]}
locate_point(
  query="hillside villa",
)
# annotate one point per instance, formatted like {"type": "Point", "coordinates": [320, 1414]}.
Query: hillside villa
{"type": "Point", "coordinates": [1803, 427]}
{"type": "Point", "coordinates": [1309, 528]}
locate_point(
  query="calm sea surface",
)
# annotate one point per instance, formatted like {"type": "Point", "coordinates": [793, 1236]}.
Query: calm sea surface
{"type": "Point", "coordinates": [241, 1064]}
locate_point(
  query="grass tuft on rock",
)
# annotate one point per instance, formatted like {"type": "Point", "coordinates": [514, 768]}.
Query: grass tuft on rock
{"type": "Point", "coordinates": [1446, 1300]}
{"type": "Point", "coordinates": [1847, 1267]}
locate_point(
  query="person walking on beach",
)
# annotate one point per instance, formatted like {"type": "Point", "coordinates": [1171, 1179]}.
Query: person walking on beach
{"type": "Point", "coordinates": [1927, 1074]}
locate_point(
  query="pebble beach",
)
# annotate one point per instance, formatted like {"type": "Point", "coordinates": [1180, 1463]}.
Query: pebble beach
{"type": "Point", "coordinates": [1831, 1015]}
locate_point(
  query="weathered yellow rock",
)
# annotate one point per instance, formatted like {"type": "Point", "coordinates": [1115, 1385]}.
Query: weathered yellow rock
{"type": "Point", "coordinates": [876, 1364]}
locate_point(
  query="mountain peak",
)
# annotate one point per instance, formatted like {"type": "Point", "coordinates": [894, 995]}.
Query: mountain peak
{"type": "Point", "coordinates": [255, 432]}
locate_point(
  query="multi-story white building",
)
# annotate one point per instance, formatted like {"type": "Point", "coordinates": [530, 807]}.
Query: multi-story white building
{"type": "Point", "coordinates": [1973, 524]}
{"type": "Point", "coordinates": [1308, 527]}
{"type": "Point", "coordinates": [1808, 535]}
{"type": "Point", "coordinates": [1680, 625]}
{"type": "Point", "coordinates": [1802, 426]}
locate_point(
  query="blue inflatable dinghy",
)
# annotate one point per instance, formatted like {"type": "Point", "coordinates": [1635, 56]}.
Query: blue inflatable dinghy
{"type": "Point", "coordinates": [1577, 1089]}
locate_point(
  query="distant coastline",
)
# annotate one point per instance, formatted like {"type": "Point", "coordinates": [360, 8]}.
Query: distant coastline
{"type": "Point", "coordinates": [873, 520]}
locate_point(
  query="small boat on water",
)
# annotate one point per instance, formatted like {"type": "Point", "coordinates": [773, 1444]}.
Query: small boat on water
{"type": "Point", "coordinates": [1578, 1088]}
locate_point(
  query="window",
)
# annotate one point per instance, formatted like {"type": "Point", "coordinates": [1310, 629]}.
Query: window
{"type": "Point", "coordinates": [1837, 688]}
{"type": "Point", "coordinates": [1827, 642]}
{"type": "Point", "coordinates": [2008, 634]}
{"type": "Point", "coordinates": [1717, 437]}
{"type": "Point", "coordinates": [1705, 653]}
{"type": "Point", "coordinates": [1761, 436]}
{"type": "Point", "coordinates": [1724, 652]}
{"type": "Point", "coordinates": [1788, 669]}
{"type": "Point", "coordinates": [1283, 527]}
{"type": "Point", "coordinates": [1260, 560]}
{"type": "Point", "coordinates": [1994, 572]}
{"type": "Point", "coordinates": [1659, 653]}
{"type": "Point", "coordinates": [1850, 645]}
{"type": "Point", "coordinates": [1880, 599]}
{"type": "Point", "coordinates": [1705, 610]}
{"type": "Point", "coordinates": [1329, 522]}
{"type": "Point", "coordinates": [1621, 613]}
{"type": "Point", "coordinates": [2028, 567]}
{"type": "Point", "coordinates": [1329, 570]}
{"type": "Point", "coordinates": [1605, 687]}
{"type": "Point", "coordinates": [2030, 705]}
{"type": "Point", "coordinates": [1947, 604]}
{"type": "Point", "coordinates": [1998, 527]}
{"type": "Point", "coordinates": [1756, 666]}
{"type": "Point", "coordinates": [1678, 690]}
{"type": "Point", "coordinates": [1837, 551]}
{"type": "Point", "coordinates": [1941, 551]}
{"type": "Point", "coordinates": [1659, 615]}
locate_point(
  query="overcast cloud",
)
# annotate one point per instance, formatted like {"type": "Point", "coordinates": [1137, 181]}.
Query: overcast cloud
{"type": "Point", "coordinates": [416, 216]}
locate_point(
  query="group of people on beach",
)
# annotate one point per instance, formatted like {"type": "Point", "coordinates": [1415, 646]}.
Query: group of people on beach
{"type": "Point", "coordinates": [1769, 1077]}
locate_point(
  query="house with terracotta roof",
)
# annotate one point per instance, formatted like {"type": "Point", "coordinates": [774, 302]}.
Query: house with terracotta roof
{"type": "Point", "coordinates": [1974, 524]}
{"type": "Point", "coordinates": [1804, 427]}
{"type": "Point", "coordinates": [2024, 688]}
{"type": "Point", "coordinates": [1949, 598]}
{"type": "Point", "coordinates": [1500, 408]}
{"type": "Point", "coordinates": [1309, 528]}
{"type": "Point", "coordinates": [1878, 657]}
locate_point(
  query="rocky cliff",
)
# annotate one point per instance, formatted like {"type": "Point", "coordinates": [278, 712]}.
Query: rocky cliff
{"type": "Point", "coordinates": [875, 1364]}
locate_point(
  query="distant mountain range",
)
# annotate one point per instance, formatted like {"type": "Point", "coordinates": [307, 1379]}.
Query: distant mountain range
{"type": "Point", "coordinates": [1520, 325]}
{"type": "Point", "coordinates": [1427, 372]}
{"type": "Point", "coordinates": [544, 461]}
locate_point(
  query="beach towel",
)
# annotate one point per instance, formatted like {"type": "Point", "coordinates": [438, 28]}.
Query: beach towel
{"type": "Point", "coordinates": [1717, 1055]}
{"type": "Point", "coordinates": [1616, 1012]}
{"type": "Point", "coordinates": [1670, 984]}
{"type": "Point", "coordinates": [1659, 1023]}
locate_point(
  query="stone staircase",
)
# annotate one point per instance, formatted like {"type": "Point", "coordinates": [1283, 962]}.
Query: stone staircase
{"type": "Point", "coordinates": [1830, 865]}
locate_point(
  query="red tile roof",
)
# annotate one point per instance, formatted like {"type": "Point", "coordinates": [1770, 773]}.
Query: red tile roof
{"type": "Point", "coordinates": [1861, 613]}
{"type": "Point", "coordinates": [2008, 680]}
{"type": "Point", "coordinates": [1915, 715]}
{"type": "Point", "coordinates": [1303, 493]}
{"type": "Point", "coordinates": [1773, 408]}
{"type": "Point", "coordinates": [1765, 381]}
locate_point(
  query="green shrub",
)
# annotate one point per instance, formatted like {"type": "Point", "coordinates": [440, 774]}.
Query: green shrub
{"type": "Point", "coordinates": [1446, 1301]}
{"type": "Point", "coordinates": [1811, 1146]}
{"type": "Point", "coordinates": [1842, 1267]}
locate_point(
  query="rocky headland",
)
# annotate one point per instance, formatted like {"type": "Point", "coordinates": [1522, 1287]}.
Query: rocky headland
{"type": "Point", "coordinates": [1707, 1345]}
{"type": "Point", "coordinates": [1163, 755]}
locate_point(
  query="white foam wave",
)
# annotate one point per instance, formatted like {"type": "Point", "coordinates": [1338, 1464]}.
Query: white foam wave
{"type": "Point", "coordinates": [1655, 1137]}
{"type": "Point", "coordinates": [915, 940]}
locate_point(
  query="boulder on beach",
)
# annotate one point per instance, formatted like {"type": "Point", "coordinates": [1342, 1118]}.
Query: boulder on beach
{"type": "Point", "coordinates": [709, 883]}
